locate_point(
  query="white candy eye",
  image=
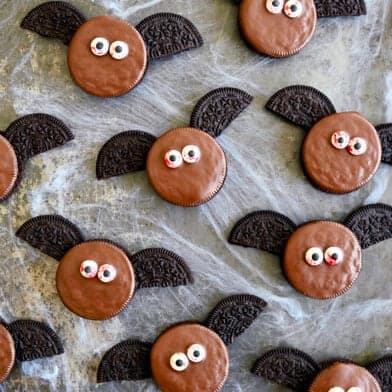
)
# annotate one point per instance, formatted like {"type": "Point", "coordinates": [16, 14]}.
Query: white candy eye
{"type": "Point", "coordinates": [274, 6]}
{"type": "Point", "coordinates": [179, 362]}
{"type": "Point", "coordinates": [340, 140]}
{"type": "Point", "coordinates": [314, 256]}
{"type": "Point", "coordinates": [106, 273]}
{"type": "Point", "coordinates": [293, 8]}
{"type": "Point", "coordinates": [333, 255]}
{"type": "Point", "coordinates": [99, 46]}
{"type": "Point", "coordinates": [119, 50]}
{"type": "Point", "coordinates": [336, 389]}
{"type": "Point", "coordinates": [173, 159]}
{"type": "Point", "coordinates": [191, 154]}
{"type": "Point", "coordinates": [89, 269]}
{"type": "Point", "coordinates": [196, 353]}
{"type": "Point", "coordinates": [357, 146]}
{"type": "Point", "coordinates": [354, 389]}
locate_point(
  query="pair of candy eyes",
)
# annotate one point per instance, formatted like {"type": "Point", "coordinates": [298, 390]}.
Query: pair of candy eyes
{"type": "Point", "coordinates": [315, 256]}
{"type": "Point", "coordinates": [100, 46]}
{"type": "Point", "coordinates": [175, 158]}
{"type": "Point", "coordinates": [355, 145]}
{"type": "Point", "coordinates": [340, 389]}
{"type": "Point", "coordinates": [195, 353]}
{"type": "Point", "coordinates": [291, 8]}
{"type": "Point", "coordinates": [89, 269]}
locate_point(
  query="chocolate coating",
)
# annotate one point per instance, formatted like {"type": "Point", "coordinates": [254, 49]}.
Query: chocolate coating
{"type": "Point", "coordinates": [206, 376]}
{"type": "Point", "coordinates": [7, 353]}
{"type": "Point", "coordinates": [323, 281]}
{"type": "Point", "coordinates": [276, 35]}
{"type": "Point", "coordinates": [189, 184]}
{"type": "Point", "coordinates": [8, 168]}
{"type": "Point", "coordinates": [91, 298]}
{"type": "Point", "coordinates": [344, 375]}
{"type": "Point", "coordinates": [104, 76]}
{"type": "Point", "coordinates": [338, 171]}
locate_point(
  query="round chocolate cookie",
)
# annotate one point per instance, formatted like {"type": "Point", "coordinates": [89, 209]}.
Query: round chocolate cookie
{"type": "Point", "coordinates": [8, 168]}
{"type": "Point", "coordinates": [341, 152]}
{"type": "Point", "coordinates": [322, 259]}
{"type": "Point", "coordinates": [107, 56]}
{"type": "Point", "coordinates": [277, 31]}
{"type": "Point", "coordinates": [189, 357]}
{"type": "Point", "coordinates": [186, 166]}
{"type": "Point", "coordinates": [7, 353]}
{"type": "Point", "coordinates": [95, 280]}
{"type": "Point", "coordinates": [344, 376]}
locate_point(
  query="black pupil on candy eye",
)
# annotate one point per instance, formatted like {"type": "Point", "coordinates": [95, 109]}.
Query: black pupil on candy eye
{"type": "Point", "coordinates": [179, 362]}
{"type": "Point", "coordinates": [106, 273]}
{"type": "Point", "coordinates": [293, 8]}
{"type": "Point", "coordinates": [87, 269]}
{"type": "Point", "coordinates": [276, 3]}
{"type": "Point", "coordinates": [196, 354]}
{"type": "Point", "coordinates": [340, 140]}
{"type": "Point", "coordinates": [357, 146]}
{"type": "Point", "coordinates": [315, 256]}
{"type": "Point", "coordinates": [335, 256]}
{"type": "Point", "coordinates": [99, 45]}
{"type": "Point", "coordinates": [191, 153]}
{"type": "Point", "coordinates": [172, 158]}
{"type": "Point", "coordinates": [118, 49]}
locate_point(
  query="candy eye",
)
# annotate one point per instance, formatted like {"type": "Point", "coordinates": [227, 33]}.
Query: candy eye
{"type": "Point", "coordinates": [293, 8]}
{"type": "Point", "coordinates": [179, 362]}
{"type": "Point", "coordinates": [333, 255]}
{"type": "Point", "coordinates": [336, 389]}
{"type": "Point", "coordinates": [119, 50]}
{"type": "Point", "coordinates": [191, 154]}
{"type": "Point", "coordinates": [196, 353]}
{"type": "Point", "coordinates": [314, 256]}
{"type": "Point", "coordinates": [99, 46]}
{"type": "Point", "coordinates": [173, 159]}
{"type": "Point", "coordinates": [340, 140]}
{"type": "Point", "coordinates": [357, 146]}
{"type": "Point", "coordinates": [89, 269]}
{"type": "Point", "coordinates": [274, 6]}
{"type": "Point", "coordinates": [106, 273]}
{"type": "Point", "coordinates": [354, 389]}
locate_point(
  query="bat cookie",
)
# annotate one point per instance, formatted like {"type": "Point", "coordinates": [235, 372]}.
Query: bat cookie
{"type": "Point", "coordinates": [281, 28]}
{"type": "Point", "coordinates": [341, 151]}
{"type": "Point", "coordinates": [96, 279]}
{"type": "Point", "coordinates": [185, 166]}
{"type": "Point", "coordinates": [25, 340]}
{"type": "Point", "coordinates": [24, 138]}
{"type": "Point", "coordinates": [297, 371]}
{"type": "Point", "coordinates": [107, 56]}
{"type": "Point", "coordinates": [320, 259]}
{"type": "Point", "coordinates": [188, 356]}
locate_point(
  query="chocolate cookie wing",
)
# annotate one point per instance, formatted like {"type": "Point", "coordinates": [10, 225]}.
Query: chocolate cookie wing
{"type": "Point", "coordinates": [288, 367]}
{"type": "Point", "coordinates": [385, 134]}
{"type": "Point", "coordinates": [265, 230]}
{"type": "Point", "coordinates": [124, 153]}
{"type": "Point", "coordinates": [158, 267]}
{"type": "Point", "coordinates": [36, 133]}
{"type": "Point", "coordinates": [333, 8]}
{"type": "Point", "coordinates": [128, 360]}
{"type": "Point", "coordinates": [51, 234]}
{"type": "Point", "coordinates": [34, 340]}
{"type": "Point", "coordinates": [54, 19]}
{"type": "Point", "coordinates": [371, 224]}
{"type": "Point", "coordinates": [382, 371]}
{"type": "Point", "coordinates": [217, 109]}
{"type": "Point", "coordinates": [301, 105]}
{"type": "Point", "coordinates": [166, 34]}
{"type": "Point", "coordinates": [232, 316]}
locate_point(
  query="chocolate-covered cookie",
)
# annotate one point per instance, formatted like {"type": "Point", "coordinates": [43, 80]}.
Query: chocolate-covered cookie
{"type": "Point", "coordinates": [321, 259]}
{"type": "Point", "coordinates": [281, 28]}
{"type": "Point", "coordinates": [26, 340]}
{"type": "Point", "coordinates": [298, 371]}
{"type": "Point", "coordinates": [341, 151]}
{"type": "Point", "coordinates": [186, 166]}
{"type": "Point", "coordinates": [96, 279]}
{"type": "Point", "coordinates": [107, 56]}
{"type": "Point", "coordinates": [186, 357]}
{"type": "Point", "coordinates": [24, 138]}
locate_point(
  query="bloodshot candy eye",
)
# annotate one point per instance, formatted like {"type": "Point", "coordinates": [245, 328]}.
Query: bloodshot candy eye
{"type": "Point", "coordinates": [99, 46]}
{"type": "Point", "coordinates": [274, 6]}
{"type": "Point", "coordinates": [173, 159]}
{"type": "Point", "coordinates": [89, 269]}
{"type": "Point", "coordinates": [340, 140]}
